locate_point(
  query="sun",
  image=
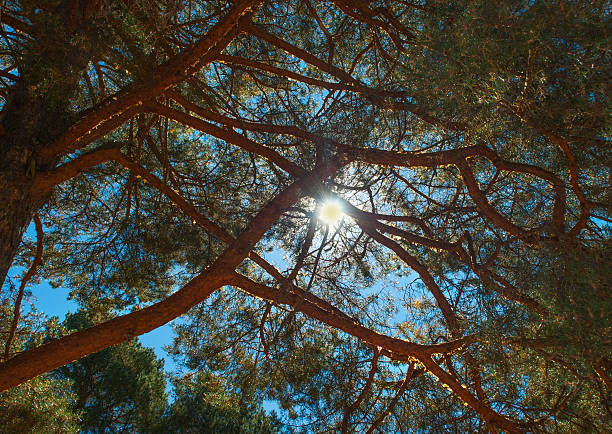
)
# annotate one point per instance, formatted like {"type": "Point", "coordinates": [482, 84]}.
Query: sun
{"type": "Point", "coordinates": [331, 212]}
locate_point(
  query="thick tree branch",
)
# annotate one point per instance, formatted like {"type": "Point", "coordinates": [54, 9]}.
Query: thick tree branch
{"type": "Point", "coordinates": [45, 181]}
{"type": "Point", "coordinates": [347, 324]}
{"type": "Point", "coordinates": [66, 349]}
{"type": "Point", "coordinates": [488, 414]}
{"type": "Point", "coordinates": [167, 75]}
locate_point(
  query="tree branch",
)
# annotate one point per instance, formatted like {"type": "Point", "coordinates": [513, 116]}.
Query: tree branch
{"type": "Point", "coordinates": [31, 271]}
{"type": "Point", "coordinates": [366, 388]}
{"type": "Point", "coordinates": [68, 348]}
{"type": "Point", "coordinates": [169, 74]}
{"type": "Point", "coordinates": [394, 401]}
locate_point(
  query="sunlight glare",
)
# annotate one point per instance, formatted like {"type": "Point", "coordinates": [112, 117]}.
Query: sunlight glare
{"type": "Point", "coordinates": [331, 212]}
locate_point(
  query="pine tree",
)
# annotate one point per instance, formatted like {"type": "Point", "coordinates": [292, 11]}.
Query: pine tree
{"type": "Point", "coordinates": [179, 157]}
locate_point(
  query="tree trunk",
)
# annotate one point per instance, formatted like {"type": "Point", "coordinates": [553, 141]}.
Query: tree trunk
{"type": "Point", "coordinates": [17, 169]}
{"type": "Point", "coordinates": [16, 210]}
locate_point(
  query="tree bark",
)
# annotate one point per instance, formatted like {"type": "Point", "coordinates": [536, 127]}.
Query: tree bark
{"type": "Point", "coordinates": [21, 131]}
{"type": "Point", "coordinates": [16, 208]}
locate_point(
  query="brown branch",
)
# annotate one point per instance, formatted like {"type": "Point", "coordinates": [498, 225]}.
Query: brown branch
{"type": "Point", "coordinates": [368, 16]}
{"type": "Point", "coordinates": [31, 271]}
{"type": "Point", "coordinates": [243, 124]}
{"type": "Point", "coordinates": [602, 367]}
{"type": "Point", "coordinates": [506, 290]}
{"type": "Point", "coordinates": [413, 238]}
{"type": "Point", "coordinates": [376, 97]}
{"type": "Point", "coordinates": [562, 143]}
{"type": "Point", "coordinates": [411, 159]}
{"type": "Point", "coordinates": [169, 74]}
{"type": "Point", "coordinates": [401, 218]}
{"type": "Point", "coordinates": [368, 225]}
{"type": "Point", "coordinates": [100, 77]}
{"type": "Point", "coordinates": [307, 57]}
{"type": "Point", "coordinates": [366, 388]}
{"type": "Point", "coordinates": [241, 61]}
{"type": "Point", "coordinates": [447, 311]}
{"type": "Point", "coordinates": [16, 23]}
{"type": "Point", "coordinates": [8, 75]}
{"type": "Point", "coordinates": [402, 389]}
{"type": "Point", "coordinates": [291, 75]}
{"type": "Point", "coordinates": [328, 35]}
{"type": "Point", "coordinates": [488, 414]}
{"type": "Point", "coordinates": [459, 158]}
{"type": "Point", "coordinates": [262, 324]}
{"type": "Point", "coordinates": [45, 181]}
{"type": "Point", "coordinates": [68, 348]}
{"type": "Point", "coordinates": [299, 262]}
{"type": "Point", "coordinates": [575, 182]}
{"type": "Point", "coordinates": [229, 136]}
{"type": "Point", "coordinates": [558, 215]}
{"type": "Point", "coordinates": [503, 288]}
{"type": "Point", "coordinates": [486, 208]}
{"type": "Point", "coordinates": [187, 208]}
{"type": "Point", "coordinates": [345, 323]}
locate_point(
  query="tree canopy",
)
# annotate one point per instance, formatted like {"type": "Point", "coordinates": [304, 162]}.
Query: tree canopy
{"type": "Point", "coordinates": [384, 215]}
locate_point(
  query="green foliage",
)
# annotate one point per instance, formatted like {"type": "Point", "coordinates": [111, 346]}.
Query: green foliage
{"type": "Point", "coordinates": [574, 282]}
{"type": "Point", "coordinates": [41, 405]}
{"type": "Point", "coordinates": [203, 404]}
{"type": "Point", "coordinates": [123, 389]}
